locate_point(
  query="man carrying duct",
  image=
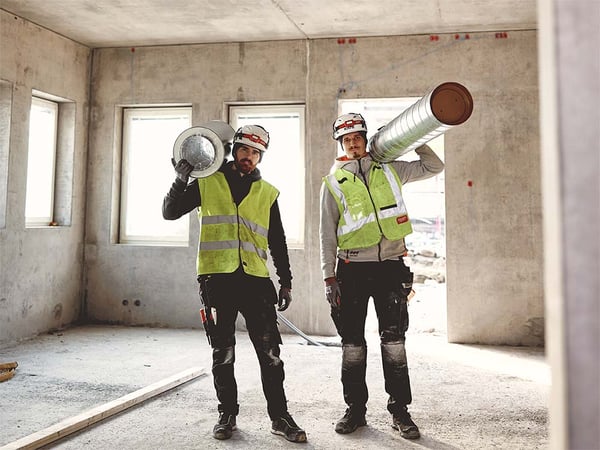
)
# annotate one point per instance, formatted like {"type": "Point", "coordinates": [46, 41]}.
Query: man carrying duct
{"type": "Point", "coordinates": [240, 222]}
{"type": "Point", "coordinates": [362, 228]}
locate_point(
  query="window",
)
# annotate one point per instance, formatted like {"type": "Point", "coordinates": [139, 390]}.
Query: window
{"type": "Point", "coordinates": [49, 191]}
{"type": "Point", "coordinates": [147, 174]}
{"type": "Point", "coordinates": [283, 163]}
{"type": "Point", "coordinates": [425, 199]}
{"type": "Point", "coordinates": [41, 159]}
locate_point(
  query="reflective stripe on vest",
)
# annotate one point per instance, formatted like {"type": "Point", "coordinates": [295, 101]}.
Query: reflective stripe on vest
{"type": "Point", "coordinates": [231, 235]}
{"type": "Point", "coordinates": [367, 214]}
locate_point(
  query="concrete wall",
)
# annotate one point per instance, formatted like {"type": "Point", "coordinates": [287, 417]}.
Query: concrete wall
{"type": "Point", "coordinates": [163, 278]}
{"type": "Point", "coordinates": [494, 251]}
{"type": "Point", "coordinates": [493, 227]}
{"type": "Point", "coordinates": [40, 268]}
{"type": "Point", "coordinates": [494, 254]}
{"type": "Point", "coordinates": [570, 121]}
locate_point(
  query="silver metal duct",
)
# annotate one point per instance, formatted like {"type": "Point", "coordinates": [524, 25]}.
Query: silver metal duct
{"type": "Point", "coordinates": [204, 147]}
{"type": "Point", "coordinates": [446, 106]}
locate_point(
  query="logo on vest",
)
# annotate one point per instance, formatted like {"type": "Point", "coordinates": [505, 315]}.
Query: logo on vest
{"type": "Point", "coordinates": [401, 219]}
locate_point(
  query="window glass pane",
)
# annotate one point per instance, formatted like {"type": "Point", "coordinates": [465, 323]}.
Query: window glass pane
{"type": "Point", "coordinates": [148, 138]}
{"type": "Point", "coordinates": [425, 199]}
{"type": "Point", "coordinates": [283, 163]}
{"type": "Point", "coordinates": [40, 162]}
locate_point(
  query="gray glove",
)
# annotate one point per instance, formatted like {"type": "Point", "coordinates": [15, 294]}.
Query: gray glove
{"type": "Point", "coordinates": [285, 298]}
{"type": "Point", "coordinates": [333, 293]}
{"type": "Point", "coordinates": [183, 169]}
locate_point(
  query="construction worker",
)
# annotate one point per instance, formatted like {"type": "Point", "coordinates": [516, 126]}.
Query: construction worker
{"type": "Point", "coordinates": [363, 223]}
{"type": "Point", "coordinates": [240, 221]}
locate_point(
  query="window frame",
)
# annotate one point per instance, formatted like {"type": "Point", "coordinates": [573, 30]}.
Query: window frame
{"type": "Point", "coordinates": [123, 237]}
{"type": "Point", "coordinates": [6, 100]}
{"type": "Point", "coordinates": [48, 219]}
{"type": "Point", "coordinates": [289, 208]}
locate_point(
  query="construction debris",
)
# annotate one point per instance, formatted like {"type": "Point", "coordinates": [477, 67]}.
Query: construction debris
{"type": "Point", "coordinates": [7, 370]}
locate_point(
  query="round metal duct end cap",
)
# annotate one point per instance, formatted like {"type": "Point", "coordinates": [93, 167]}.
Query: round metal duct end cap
{"type": "Point", "coordinates": [202, 148]}
{"type": "Point", "coordinates": [451, 103]}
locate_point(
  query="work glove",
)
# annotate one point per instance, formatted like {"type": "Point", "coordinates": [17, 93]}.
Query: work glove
{"type": "Point", "coordinates": [285, 298]}
{"type": "Point", "coordinates": [182, 169]}
{"type": "Point", "coordinates": [333, 293]}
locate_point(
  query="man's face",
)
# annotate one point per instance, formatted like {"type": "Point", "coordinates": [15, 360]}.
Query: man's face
{"type": "Point", "coordinates": [246, 158]}
{"type": "Point", "coordinates": [354, 145]}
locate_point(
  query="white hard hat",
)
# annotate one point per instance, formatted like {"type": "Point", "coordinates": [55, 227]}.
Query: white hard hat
{"type": "Point", "coordinates": [254, 136]}
{"type": "Point", "coordinates": [348, 123]}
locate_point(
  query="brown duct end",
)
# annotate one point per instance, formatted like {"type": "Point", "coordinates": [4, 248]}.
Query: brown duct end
{"type": "Point", "coordinates": [451, 103]}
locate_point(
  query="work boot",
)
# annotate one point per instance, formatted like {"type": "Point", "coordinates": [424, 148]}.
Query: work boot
{"type": "Point", "coordinates": [223, 429]}
{"type": "Point", "coordinates": [286, 427]}
{"type": "Point", "coordinates": [350, 422]}
{"type": "Point", "coordinates": [402, 422]}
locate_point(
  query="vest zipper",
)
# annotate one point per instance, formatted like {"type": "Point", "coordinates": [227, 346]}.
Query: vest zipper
{"type": "Point", "coordinates": [360, 170]}
{"type": "Point", "coordinates": [237, 214]}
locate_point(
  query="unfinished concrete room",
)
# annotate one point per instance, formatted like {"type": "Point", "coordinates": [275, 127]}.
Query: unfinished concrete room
{"type": "Point", "coordinates": [103, 340]}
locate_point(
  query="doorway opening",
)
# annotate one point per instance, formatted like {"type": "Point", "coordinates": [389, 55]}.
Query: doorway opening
{"type": "Point", "coordinates": [425, 202]}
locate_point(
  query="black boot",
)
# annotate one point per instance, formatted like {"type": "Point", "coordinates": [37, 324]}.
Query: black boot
{"type": "Point", "coordinates": [402, 422]}
{"type": "Point", "coordinates": [223, 429]}
{"type": "Point", "coordinates": [350, 422]}
{"type": "Point", "coordinates": [286, 427]}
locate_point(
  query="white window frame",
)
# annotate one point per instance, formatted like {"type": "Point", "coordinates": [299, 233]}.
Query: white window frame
{"type": "Point", "coordinates": [41, 164]}
{"type": "Point", "coordinates": [283, 164]}
{"type": "Point", "coordinates": [154, 176]}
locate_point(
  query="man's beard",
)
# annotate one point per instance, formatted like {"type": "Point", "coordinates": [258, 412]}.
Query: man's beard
{"type": "Point", "coordinates": [356, 153]}
{"type": "Point", "coordinates": [245, 166]}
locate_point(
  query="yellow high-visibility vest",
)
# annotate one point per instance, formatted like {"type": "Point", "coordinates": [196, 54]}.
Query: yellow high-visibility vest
{"type": "Point", "coordinates": [368, 214]}
{"type": "Point", "coordinates": [232, 234]}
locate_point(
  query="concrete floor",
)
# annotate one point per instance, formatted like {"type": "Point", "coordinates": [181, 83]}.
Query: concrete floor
{"type": "Point", "coordinates": [465, 397]}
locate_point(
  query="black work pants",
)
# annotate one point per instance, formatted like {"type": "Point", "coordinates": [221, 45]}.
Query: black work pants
{"type": "Point", "coordinates": [224, 295]}
{"type": "Point", "coordinates": [388, 283]}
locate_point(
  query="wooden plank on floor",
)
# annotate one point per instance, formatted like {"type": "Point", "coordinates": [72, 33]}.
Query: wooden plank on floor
{"type": "Point", "coordinates": [87, 418]}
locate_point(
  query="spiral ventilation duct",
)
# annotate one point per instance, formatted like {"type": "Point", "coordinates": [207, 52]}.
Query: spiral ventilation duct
{"type": "Point", "coordinates": [446, 106]}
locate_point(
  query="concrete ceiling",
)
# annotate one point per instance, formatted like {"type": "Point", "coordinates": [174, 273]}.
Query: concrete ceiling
{"type": "Point", "coordinates": [132, 23]}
